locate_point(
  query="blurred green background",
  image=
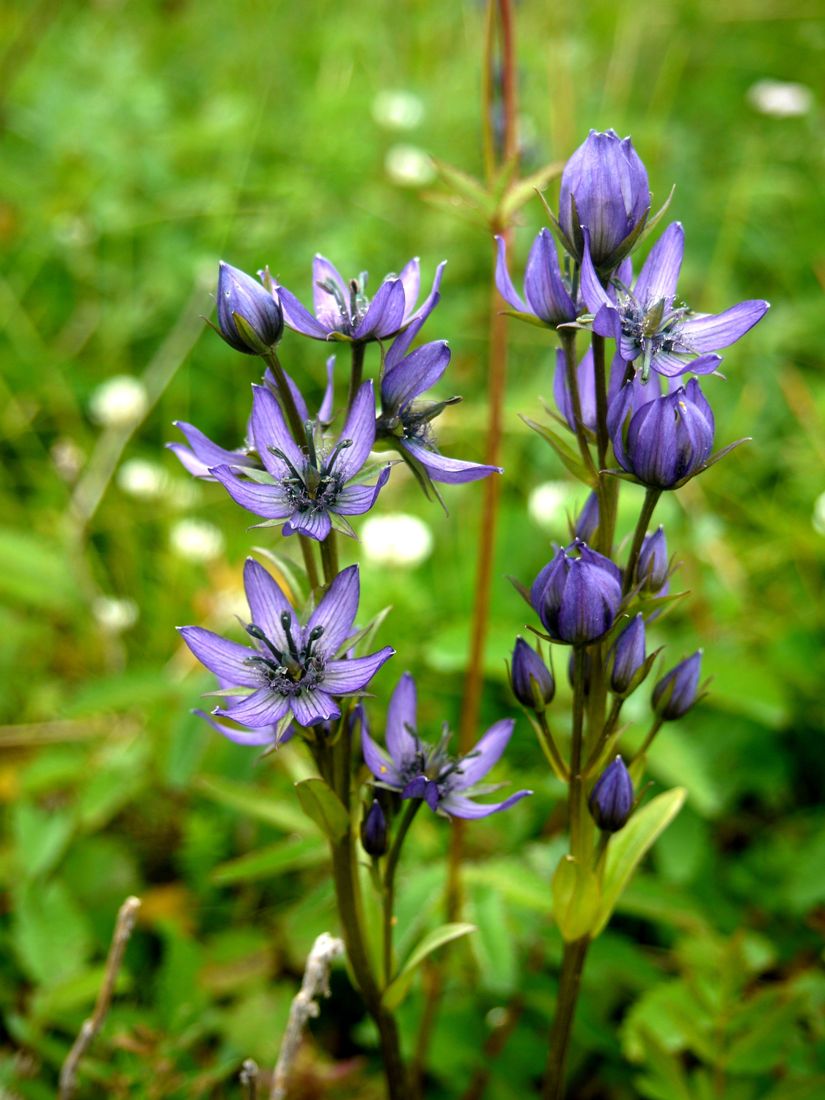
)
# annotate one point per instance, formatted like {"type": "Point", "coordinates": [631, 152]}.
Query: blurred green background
{"type": "Point", "coordinates": [143, 141]}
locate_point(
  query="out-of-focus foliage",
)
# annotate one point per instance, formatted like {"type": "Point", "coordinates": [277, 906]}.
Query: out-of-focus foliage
{"type": "Point", "coordinates": [141, 142]}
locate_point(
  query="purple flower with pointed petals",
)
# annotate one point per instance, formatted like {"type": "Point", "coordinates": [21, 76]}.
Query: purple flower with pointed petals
{"type": "Point", "coordinates": [611, 800]}
{"type": "Point", "coordinates": [604, 189]}
{"type": "Point", "coordinates": [249, 316]}
{"type": "Point", "coordinates": [547, 292]}
{"type": "Point", "coordinates": [307, 488]}
{"type": "Point", "coordinates": [577, 594]}
{"type": "Point", "coordinates": [677, 691]}
{"type": "Point", "coordinates": [648, 323]}
{"type": "Point", "coordinates": [291, 671]}
{"type": "Point", "coordinates": [627, 658]}
{"type": "Point", "coordinates": [405, 420]}
{"type": "Point", "coordinates": [343, 311]}
{"type": "Point", "coordinates": [665, 442]}
{"type": "Point", "coordinates": [419, 770]}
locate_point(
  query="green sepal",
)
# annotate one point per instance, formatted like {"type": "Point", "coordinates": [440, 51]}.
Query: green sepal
{"type": "Point", "coordinates": [576, 898]}
{"type": "Point", "coordinates": [398, 988]}
{"type": "Point", "coordinates": [249, 336]}
{"type": "Point", "coordinates": [628, 848]}
{"type": "Point", "coordinates": [528, 318]}
{"type": "Point", "coordinates": [323, 806]}
{"type": "Point", "coordinates": [520, 192]}
{"type": "Point", "coordinates": [362, 641]}
{"type": "Point", "coordinates": [260, 477]}
{"type": "Point", "coordinates": [568, 456]}
{"type": "Point", "coordinates": [543, 746]}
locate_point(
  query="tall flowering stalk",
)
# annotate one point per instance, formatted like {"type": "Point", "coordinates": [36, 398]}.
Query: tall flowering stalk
{"type": "Point", "coordinates": [640, 421]}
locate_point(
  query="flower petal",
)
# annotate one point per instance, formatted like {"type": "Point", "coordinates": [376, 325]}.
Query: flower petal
{"type": "Point", "coordinates": [710, 332]}
{"type": "Point", "coordinates": [336, 612]}
{"type": "Point", "coordinates": [263, 500]}
{"type": "Point", "coordinates": [457, 806]}
{"type": "Point", "coordinates": [402, 741]}
{"type": "Point", "coordinates": [660, 271]}
{"type": "Point", "coordinates": [411, 280]}
{"type": "Point", "coordinates": [315, 525]}
{"type": "Point", "coordinates": [432, 299]}
{"type": "Point", "coordinates": [385, 314]}
{"type": "Point", "coordinates": [265, 735]}
{"type": "Point", "coordinates": [450, 471]}
{"type": "Point", "coordinates": [504, 284]}
{"type": "Point", "coordinates": [344, 677]}
{"type": "Point", "coordinates": [543, 286]}
{"type": "Point", "coordinates": [297, 396]}
{"type": "Point", "coordinates": [354, 500]}
{"type": "Point", "coordinates": [298, 318]}
{"type": "Point", "coordinates": [205, 451]}
{"type": "Point", "coordinates": [594, 294]}
{"type": "Point", "coordinates": [360, 428]}
{"type": "Point", "coordinates": [266, 602]}
{"type": "Point", "coordinates": [476, 764]}
{"type": "Point", "coordinates": [377, 761]}
{"type": "Point", "coordinates": [312, 707]}
{"type": "Point", "coordinates": [326, 307]}
{"type": "Point", "coordinates": [228, 660]}
{"type": "Point", "coordinates": [270, 432]}
{"type": "Point", "coordinates": [325, 411]}
{"type": "Point", "coordinates": [413, 375]}
{"type": "Point", "coordinates": [262, 708]}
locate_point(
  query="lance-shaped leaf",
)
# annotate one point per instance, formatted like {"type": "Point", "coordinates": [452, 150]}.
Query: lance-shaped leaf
{"type": "Point", "coordinates": [397, 990]}
{"type": "Point", "coordinates": [323, 806]}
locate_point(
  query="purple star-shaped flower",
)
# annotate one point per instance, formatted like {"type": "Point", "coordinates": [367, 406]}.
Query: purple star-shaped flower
{"type": "Point", "coordinates": [405, 420]}
{"type": "Point", "coordinates": [418, 770]}
{"type": "Point", "coordinates": [292, 671]}
{"type": "Point", "coordinates": [647, 322]}
{"type": "Point", "coordinates": [202, 454]}
{"type": "Point", "coordinates": [305, 487]}
{"type": "Point", "coordinates": [343, 311]}
{"type": "Point", "coordinates": [548, 295]}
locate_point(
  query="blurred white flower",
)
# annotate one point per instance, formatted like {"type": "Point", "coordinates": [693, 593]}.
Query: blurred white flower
{"type": "Point", "coordinates": [68, 458]}
{"type": "Point", "coordinates": [396, 538]}
{"type": "Point", "coordinates": [818, 518]}
{"type": "Point", "coordinates": [118, 401]}
{"type": "Point", "coordinates": [115, 614]}
{"type": "Point", "coordinates": [780, 98]}
{"type": "Point", "coordinates": [397, 110]}
{"type": "Point", "coordinates": [142, 479]}
{"type": "Point", "coordinates": [409, 166]}
{"type": "Point", "coordinates": [548, 503]}
{"type": "Point", "coordinates": [196, 540]}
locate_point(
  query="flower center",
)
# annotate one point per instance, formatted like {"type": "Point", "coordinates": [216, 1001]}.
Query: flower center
{"type": "Point", "coordinates": [292, 670]}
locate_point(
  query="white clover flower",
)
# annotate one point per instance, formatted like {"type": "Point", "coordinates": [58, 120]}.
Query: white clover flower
{"type": "Point", "coordinates": [115, 614]}
{"type": "Point", "coordinates": [396, 538]}
{"type": "Point", "coordinates": [780, 98]}
{"type": "Point", "coordinates": [196, 540]}
{"type": "Point", "coordinates": [549, 502]}
{"type": "Point", "coordinates": [397, 110]}
{"type": "Point", "coordinates": [119, 401]}
{"type": "Point", "coordinates": [142, 479]}
{"type": "Point", "coordinates": [409, 166]}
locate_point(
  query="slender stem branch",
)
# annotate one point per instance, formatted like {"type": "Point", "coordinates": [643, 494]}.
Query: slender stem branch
{"type": "Point", "coordinates": [600, 374]}
{"type": "Point", "coordinates": [550, 745]}
{"type": "Point", "coordinates": [411, 809]}
{"type": "Point", "coordinates": [329, 558]}
{"type": "Point", "coordinates": [293, 417]}
{"type": "Point", "coordinates": [648, 741]}
{"type": "Point", "coordinates": [651, 500]}
{"type": "Point", "coordinates": [569, 983]}
{"type": "Point", "coordinates": [575, 802]}
{"type": "Point", "coordinates": [606, 733]}
{"type": "Point", "coordinates": [356, 372]}
{"type": "Point", "coordinates": [568, 343]}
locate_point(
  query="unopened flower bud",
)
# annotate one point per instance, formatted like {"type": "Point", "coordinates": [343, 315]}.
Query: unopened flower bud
{"type": "Point", "coordinates": [627, 658]}
{"type": "Point", "coordinates": [611, 800]}
{"type": "Point", "coordinates": [577, 597]}
{"type": "Point", "coordinates": [652, 566]}
{"type": "Point", "coordinates": [249, 316]}
{"type": "Point", "coordinates": [532, 680]}
{"type": "Point", "coordinates": [374, 831]}
{"type": "Point", "coordinates": [676, 692]}
{"type": "Point", "coordinates": [587, 523]}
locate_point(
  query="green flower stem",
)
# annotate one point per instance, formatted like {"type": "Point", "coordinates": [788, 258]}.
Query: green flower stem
{"type": "Point", "coordinates": [411, 809]}
{"type": "Point", "coordinates": [550, 744]}
{"type": "Point", "coordinates": [356, 372]}
{"type": "Point", "coordinates": [329, 557]}
{"type": "Point", "coordinates": [648, 741]}
{"type": "Point", "coordinates": [608, 486]}
{"type": "Point", "coordinates": [576, 790]}
{"type": "Point", "coordinates": [607, 732]}
{"type": "Point", "coordinates": [572, 966]}
{"type": "Point", "coordinates": [568, 343]}
{"type": "Point", "coordinates": [648, 508]}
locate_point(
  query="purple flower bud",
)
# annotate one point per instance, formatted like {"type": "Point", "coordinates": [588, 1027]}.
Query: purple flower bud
{"type": "Point", "coordinates": [604, 189]}
{"type": "Point", "coordinates": [249, 316]}
{"type": "Point", "coordinates": [577, 598]}
{"type": "Point", "coordinates": [532, 680]}
{"type": "Point", "coordinates": [374, 831]}
{"type": "Point", "coordinates": [652, 566]}
{"type": "Point", "coordinates": [587, 523]}
{"type": "Point", "coordinates": [665, 442]}
{"type": "Point", "coordinates": [611, 800]}
{"type": "Point", "coordinates": [627, 657]}
{"type": "Point", "coordinates": [676, 692]}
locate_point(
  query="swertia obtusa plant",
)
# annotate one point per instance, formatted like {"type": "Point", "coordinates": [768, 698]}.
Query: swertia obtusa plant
{"type": "Point", "coordinates": [301, 672]}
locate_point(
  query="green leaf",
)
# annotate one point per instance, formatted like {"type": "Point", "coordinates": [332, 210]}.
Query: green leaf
{"type": "Point", "coordinates": [569, 456]}
{"type": "Point", "coordinates": [575, 899]}
{"type": "Point", "coordinates": [34, 573]}
{"type": "Point", "coordinates": [50, 934]}
{"type": "Point", "coordinates": [525, 189]}
{"type": "Point", "coordinates": [276, 859]}
{"type": "Point", "coordinates": [251, 802]}
{"type": "Point", "coordinates": [41, 837]}
{"type": "Point", "coordinates": [628, 848]}
{"type": "Point", "coordinates": [397, 990]}
{"type": "Point", "coordinates": [323, 806]}
{"type": "Point", "coordinates": [465, 186]}
{"type": "Point", "coordinates": [495, 944]}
